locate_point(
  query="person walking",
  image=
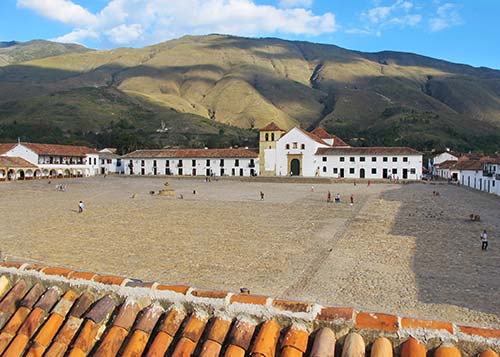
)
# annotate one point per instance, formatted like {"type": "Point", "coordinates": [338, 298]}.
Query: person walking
{"type": "Point", "coordinates": [329, 197]}
{"type": "Point", "coordinates": [81, 206]}
{"type": "Point", "coordinates": [352, 199]}
{"type": "Point", "coordinates": [261, 196]}
{"type": "Point", "coordinates": [484, 240]}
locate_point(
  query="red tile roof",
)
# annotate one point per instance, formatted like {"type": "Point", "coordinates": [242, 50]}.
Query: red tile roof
{"type": "Point", "coordinates": [271, 127]}
{"type": "Point", "coordinates": [471, 165]}
{"type": "Point", "coordinates": [314, 137]}
{"type": "Point", "coordinates": [59, 150]}
{"type": "Point", "coordinates": [108, 316]}
{"type": "Point", "coordinates": [323, 134]}
{"type": "Point", "coordinates": [367, 151]}
{"type": "Point", "coordinates": [6, 147]}
{"type": "Point", "coordinates": [12, 161]}
{"type": "Point", "coordinates": [448, 164]}
{"type": "Point", "coordinates": [194, 153]}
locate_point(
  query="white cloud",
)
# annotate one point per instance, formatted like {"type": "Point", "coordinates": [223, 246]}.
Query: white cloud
{"type": "Point", "coordinates": [76, 36]}
{"type": "Point", "coordinates": [447, 15]}
{"type": "Point", "coordinates": [124, 33]}
{"type": "Point", "coordinates": [63, 11]}
{"type": "Point", "coordinates": [400, 14]}
{"type": "Point", "coordinates": [140, 22]}
{"type": "Point", "coordinates": [295, 3]}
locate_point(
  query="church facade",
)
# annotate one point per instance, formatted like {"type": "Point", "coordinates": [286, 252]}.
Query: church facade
{"type": "Point", "coordinates": [298, 152]}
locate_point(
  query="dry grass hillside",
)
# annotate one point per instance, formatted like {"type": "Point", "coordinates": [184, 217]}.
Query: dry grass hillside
{"type": "Point", "coordinates": [387, 98]}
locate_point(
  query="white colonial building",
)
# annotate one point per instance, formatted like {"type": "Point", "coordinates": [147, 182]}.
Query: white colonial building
{"type": "Point", "coordinates": [318, 153]}
{"type": "Point", "coordinates": [49, 160]}
{"type": "Point", "coordinates": [482, 175]}
{"type": "Point", "coordinates": [111, 163]}
{"type": "Point", "coordinates": [192, 162]}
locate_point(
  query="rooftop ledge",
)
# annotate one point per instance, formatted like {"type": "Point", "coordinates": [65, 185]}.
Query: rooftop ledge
{"type": "Point", "coordinates": [57, 310]}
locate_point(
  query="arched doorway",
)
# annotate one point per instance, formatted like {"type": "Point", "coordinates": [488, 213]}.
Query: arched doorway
{"type": "Point", "coordinates": [66, 173]}
{"type": "Point", "coordinates": [2, 174]}
{"type": "Point", "coordinates": [20, 175]}
{"type": "Point", "coordinates": [362, 173]}
{"type": "Point", "coordinates": [52, 173]}
{"type": "Point", "coordinates": [37, 174]}
{"type": "Point", "coordinates": [11, 175]}
{"type": "Point", "coordinates": [295, 167]}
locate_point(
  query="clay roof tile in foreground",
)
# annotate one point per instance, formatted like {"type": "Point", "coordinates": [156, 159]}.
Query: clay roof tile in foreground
{"type": "Point", "coordinates": [351, 150]}
{"type": "Point", "coordinates": [271, 127]}
{"type": "Point", "coordinates": [57, 311]}
{"type": "Point", "coordinates": [12, 161]}
{"type": "Point", "coordinates": [59, 150]}
{"type": "Point", "coordinates": [194, 153]}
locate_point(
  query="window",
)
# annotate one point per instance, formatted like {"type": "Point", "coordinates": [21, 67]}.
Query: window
{"type": "Point", "coordinates": [267, 136]}
{"type": "Point", "coordinates": [102, 162]}
{"type": "Point", "coordinates": [252, 163]}
{"type": "Point", "coordinates": [236, 162]}
{"type": "Point", "coordinates": [362, 159]}
{"type": "Point", "coordinates": [142, 162]}
{"type": "Point", "coordinates": [384, 159]}
{"type": "Point", "coordinates": [351, 159]}
{"type": "Point", "coordinates": [394, 171]}
{"type": "Point", "coordinates": [335, 170]}
{"type": "Point", "coordinates": [193, 162]}
{"type": "Point", "coordinates": [167, 163]}
{"type": "Point", "coordinates": [342, 159]}
{"type": "Point", "coordinates": [222, 164]}
{"type": "Point", "coordinates": [208, 162]}
{"type": "Point", "coordinates": [324, 168]}
{"type": "Point", "coordinates": [118, 162]}
{"type": "Point", "coordinates": [303, 146]}
{"type": "Point", "coordinates": [287, 146]}
{"type": "Point", "coordinates": [272, 136]}
{"type": "Point", "coordinates": [413, 171]}
{"type": "Point", "coordinates": [394, 159]}
{"type": "Point", "coordinates": [374, 171]}
{"type": "Point", "coordinates": [324, 158]}
{"type": "Point", "coordinates": [405, 159]}
{"type": "Point", "coordinates": [374, 159]}
{"type": "Point", "coordinates": [95, 161]}
{"type": "Point", "coordinates": [295, 145]}
{"type": "Point", "coordinates": [154, 163]}
{"type": "Point", "coordinates": [351, 170]}
{"type": "Point", "coordinates": [110, 161]}
{"type": "Point", "coordinates": [180, 165]}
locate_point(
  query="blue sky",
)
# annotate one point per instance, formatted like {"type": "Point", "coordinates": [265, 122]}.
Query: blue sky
{"type": "Point", "coordinates": [458, 31]}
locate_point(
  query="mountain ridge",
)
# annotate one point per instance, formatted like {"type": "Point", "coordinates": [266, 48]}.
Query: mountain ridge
{"type": "Point", "coordinates": [379, 98]}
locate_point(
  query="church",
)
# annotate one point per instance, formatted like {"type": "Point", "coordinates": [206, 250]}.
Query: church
{"type": "Point", "coordinates": [298, 152]}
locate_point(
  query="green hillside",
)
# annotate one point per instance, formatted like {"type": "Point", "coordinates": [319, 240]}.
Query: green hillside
{"type": "Point", "coordinates": [204, 88]}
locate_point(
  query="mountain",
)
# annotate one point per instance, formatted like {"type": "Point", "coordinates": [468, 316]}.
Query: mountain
{"type": "Point", "coordinates": [203, 88]}
{"type": "Point", "coordinates": [16, 52]}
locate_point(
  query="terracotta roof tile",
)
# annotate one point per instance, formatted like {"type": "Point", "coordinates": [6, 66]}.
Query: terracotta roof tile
{"type": "Point", "coordinates": [354, 346]}
{"type": "Point", "coordinates": [323, 134]}
{"type": "Point", "coordinates": [271, 127]}
{"type": "Point", "coordinates": [413, 348]}
{"type": "Point", "coordinates": [473, 165]}
{"type": "Point", "coordinates": [13, 161]}
{"type": "Point", "coordinates": [59, 150]}
{"type": "Point", "coordinates": [50, 318]}
{"type": "Point", "coordinates": [194, 153]}
{"type": "Point", "coordinates": [324, 343]}
{"type": "Point", "coordinates": [382, 347]}
{"type": "Point", "coordinates": [6, 147]}
{"type": "Point", "coordinates": [267, 339]}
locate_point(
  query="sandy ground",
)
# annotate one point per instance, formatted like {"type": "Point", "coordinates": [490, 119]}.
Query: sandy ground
{"type": "Point", "coordinates": [398, 250]}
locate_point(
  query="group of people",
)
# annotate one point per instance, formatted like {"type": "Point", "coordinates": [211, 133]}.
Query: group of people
{"type": "Point", "coordinates": [337, 198]}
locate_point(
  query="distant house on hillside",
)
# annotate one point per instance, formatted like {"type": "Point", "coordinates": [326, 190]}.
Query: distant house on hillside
{"type": "Point", "coordinates": [298, 152]}
{"type": "Point", "coordinates": [439, 158]}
